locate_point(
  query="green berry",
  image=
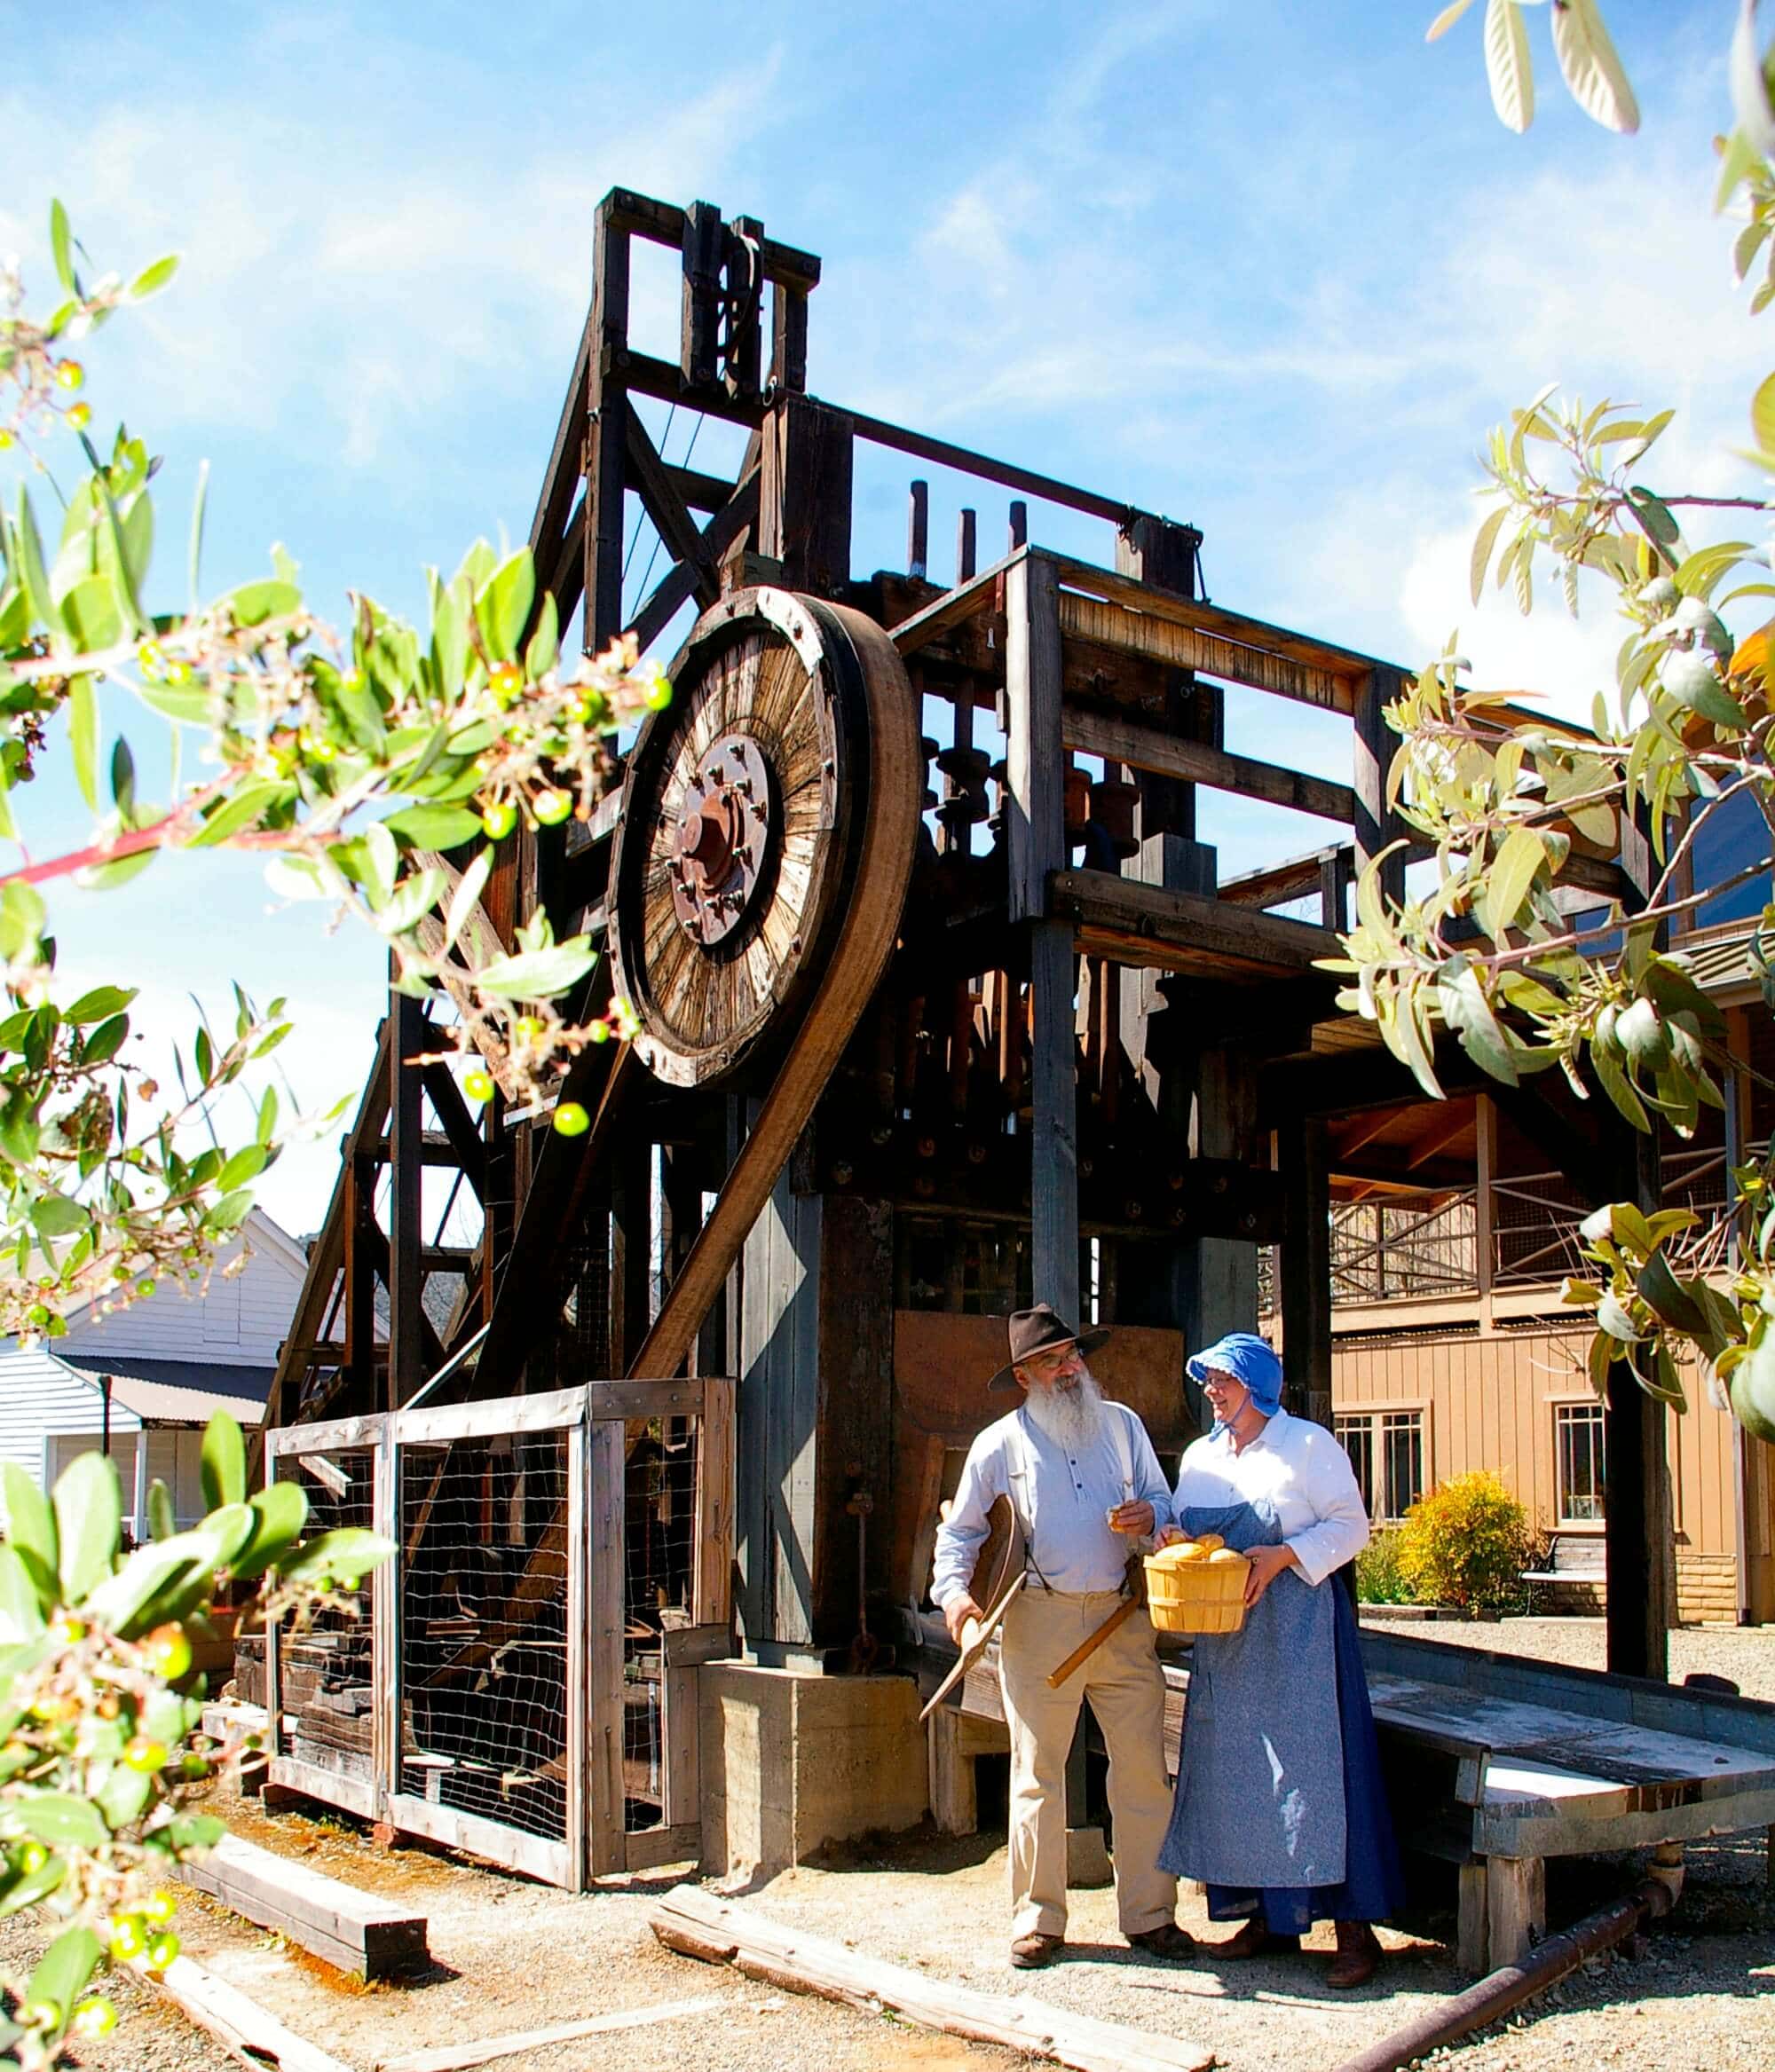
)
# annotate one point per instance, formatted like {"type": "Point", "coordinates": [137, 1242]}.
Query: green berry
{"type": "Point", "coordinates": [32, 1858]}
{"type": "Point", "coordinates": [161, 1907]}
{"type": "Point", "coordinates": [529, 1028]}
{"type": "Point", "coordinates": [128, 1941]}
{"type": "Point", "coordinates": [571, 1120]}
{"type": "Point", "coordinates": [169, 1653]}
{"type": "Point", "coordinates": [145, 1756]}
{"type": "Point", "coordinates": [498, 820]}
{"type": "Point", "coordinates": [658, 695]}
{"type": "Point", "coordinates": [161, 1952]}
{"type": "Point", "coordinates": [95, 2017]}
{"type": "Point", "coordinates": [506, 680]}
{"type": "Point", "coordinates": [40, 2014]}
{"type": "Point", "coordinates": [5, 438]}
{"type": "Point", "coordinates": [79, 416]}
{"type": "Point", "coordinates": [70, 375]}
{"type": "Point", "coordinates": [478, 1085]}
{"type": "Point", "coordinates": [551, 807]}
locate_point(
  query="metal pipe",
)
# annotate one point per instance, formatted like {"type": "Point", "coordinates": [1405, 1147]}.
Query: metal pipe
{"type": "Point", "coordinates": [1509, 1987]}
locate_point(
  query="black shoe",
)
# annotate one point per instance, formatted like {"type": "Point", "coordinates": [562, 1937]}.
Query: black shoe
{"type": "Point", "coordinates": [1168, 1941]}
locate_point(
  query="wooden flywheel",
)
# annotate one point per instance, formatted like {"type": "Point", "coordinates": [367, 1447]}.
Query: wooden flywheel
{"type": "Point", "coordinates": [743, 826]}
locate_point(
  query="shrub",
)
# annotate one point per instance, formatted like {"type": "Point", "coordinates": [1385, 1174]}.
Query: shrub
{"type": "Point", "coordinates": [1378, 1581]}
{"type": "Point", "coordinates": [1467, 1544]}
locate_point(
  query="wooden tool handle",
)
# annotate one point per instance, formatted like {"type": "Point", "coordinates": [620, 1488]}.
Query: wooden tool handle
{"type": "Point", "coordinates": [1088, 1647]}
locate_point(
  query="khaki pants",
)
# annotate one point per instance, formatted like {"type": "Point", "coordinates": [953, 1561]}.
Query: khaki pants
{"type": "Point", "coordinates": [1126, 1690]}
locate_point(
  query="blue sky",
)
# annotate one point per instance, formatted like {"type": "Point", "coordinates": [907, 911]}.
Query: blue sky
{"type": "Point", "coordinates": [1271, 267]}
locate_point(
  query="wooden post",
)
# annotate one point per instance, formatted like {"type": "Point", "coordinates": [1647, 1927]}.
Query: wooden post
{"type": "Point", "coordinates": [919, 530]}
{"type": "Point", "coordinates": [1375, 825]}
{"type": "Point", "coordinates": [1639, 1551]}
{"type": "Point", "coordinates": [1304, 1268]}
{"type": "Point", "coordinates": [1017, 532]}
{"type": "Point", "coordinates": [385, 1676]}
{"type": "Point", "coordinates": [1485, 1205]}
{"type": "Point", "coordinates": [1153, 550]}
{"type": "Point", "coordinates": [577, 1820]}
{"type": "Point", "coordinates": [705, 248]}
{"type": "Point", "coordinates": [631, 1308]}
{"type": "Point", "coordinates": [407, 1351]}
{"type": "Point", "coordinates": [602, 1661]}
{"type": "Point", "coordinates": [965, 549]}
{"type": "Point", "coordinates": [854, 1436]}
{"type": "Point", "coordinates": [607, 441]}
{"type": "Point", "coordinates": [804, 494]}
{"type": "Point", "coordinates": [1516, 1907]}
{"type": "Point", "coordinates": [1036, 836]}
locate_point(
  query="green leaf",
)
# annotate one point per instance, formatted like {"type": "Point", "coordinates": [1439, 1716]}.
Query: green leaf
{"type": "Point", "coordinates": [89, 1515]}
{"type": "Point", "coordinates": [105, 1041]}
{"type": "Point", "coordinates": [223, 1469]}
{"type": "Point", "coordinates": [1668, 1299]}
{"type": "Point", "coordinates": [349, 1552]}
{"type": "Point", "coordinates": [1619, 1087]}
{"type": "Point", "coordinates": [1508, 67]}
{"type": "Point", "coordinates": [90, 612]}
{"type": "Point", "coordinates": [29, 1890]}
{"type": "Point", "coordinates": [1468, 1012]}
{"type": "Point", "coordinates": [99, 1004]}
{"type": "Point", "coordinates": [198, 504]}
{"type": "Point", "coordinates": [150, 279]}
{"type": "Point", "coordinates": [161, 1522]}
{"type": "Point", "coordinates": [124, 1797]}
{"type": "Point", "coordinates": [1508, 877]}
{"type": "Point", "coordinates": [539, 975]}
{"type": "Point", "coordinates": [247, 1164]}
{"type": "Point", "coordinates": [83, 731]}
{"type": "Point", "coordinates": [193, 1831]}
{"type": "Point", "coordinates": [230, 1212]}
{"type": "Point", "coordinates": [21, 1605]}
{"type": "Point", "coordinates": [60, 1818]}
{"type": "Point", "coordinates": [61, 1972]}
{"type": "Point", "coordinates": [503, 606]}
{"type": "Point", "coordinates": [30, 1529]}
{"type": "Point", "coordinates": [61, 247]}
{"type": "Point", "coordinates": [1486, 539]}
{"type": "Point", "coordinates": [1447, 19]}
{"type": "Point", "coordinates": [254, 602]}
{"type": "Point", "coordinates": [245, 809]}
{"type": "Point", "coordinates": [1592, 69]}
{"type": "Point", "coordinates": [1615, 1321]}
{"type": "Point", "coordinates": [27, 543]}
{"type": "Point", "coordinates": [152, 1580]}
{"type": "Point", "coordinates": [435, 827]}
{"type": "Point", "coordinates": [282, 1512]}
{"type": "Point", "coordinates": [54, 1216]}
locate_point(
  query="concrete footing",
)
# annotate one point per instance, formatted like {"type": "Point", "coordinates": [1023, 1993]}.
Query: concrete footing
{"type": "Point", "coordinates": [791, 1761]}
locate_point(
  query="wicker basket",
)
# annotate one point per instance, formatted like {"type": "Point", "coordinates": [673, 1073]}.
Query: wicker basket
{"type": "Point", "coordinates": [1197, 1597]}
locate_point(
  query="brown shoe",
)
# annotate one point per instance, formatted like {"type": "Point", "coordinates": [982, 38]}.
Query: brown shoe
{"type": "Point", "coordinates": [1168, 1941]}
{"type": "Point", "coordinates": [1031, 1952]}
{"type": "Point", "coordinates": [1254, 1940]}
{"type": "Point", "coordinates": [1358, 1951]}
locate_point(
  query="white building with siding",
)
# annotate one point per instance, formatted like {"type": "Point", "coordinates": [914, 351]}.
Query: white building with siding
{"type": "Point", "coordinates": [146, 1380]}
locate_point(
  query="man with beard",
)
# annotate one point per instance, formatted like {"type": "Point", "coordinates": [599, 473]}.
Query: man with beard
{"type": "Point", "coordinates": [1081, 1477]}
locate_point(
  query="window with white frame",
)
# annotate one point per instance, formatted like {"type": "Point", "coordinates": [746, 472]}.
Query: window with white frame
{"type": "Point", "coordinates": [1578, 1448]}
{"type": "Point", "coordinates": [1387, 1450]}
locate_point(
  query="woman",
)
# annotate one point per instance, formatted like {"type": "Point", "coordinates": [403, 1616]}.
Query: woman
{"type": "Point", "coordinates": [1280, 1809]}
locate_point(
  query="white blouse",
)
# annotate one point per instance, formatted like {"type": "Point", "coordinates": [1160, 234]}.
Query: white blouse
{"type": "Point", "coordinates": [1299, 1468]}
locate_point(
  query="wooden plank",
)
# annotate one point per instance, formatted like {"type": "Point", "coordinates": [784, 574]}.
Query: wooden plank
{"type": "Point", "coordinates": [1473, 1924]}
{"type": "Point", "coordinates": [1148, 748]}
{"type": "Point", "coordinates": [626, 1399]}
{"type": "Point", "coordinates": [1188, 647]}
{"type": "Point", "coordinates": [330, 1786]}
{"type": "Point", "coordinates": [701, 1924]}
{"type": "Point", "coordinates": [579, 1725]}
{"type": "Point", "coordinates": [1277, 883]}
{"type": "Point", "coordinates": [676, 527]}
{"type": "Point", "coordinates": [1516, 1907]}
{"type": "Point", "coordinates": [653, 1847]}
{"type": "Point", "coordinates": [954, 608]}
{"type": "Point", "coordinates": [554, 1410]}
{"type": "Point", "coordinates": [712, 1601]}
{"type": "Point", "coordinates": [1053, 1137]}
{"type": "Point", "coordinates": [244, 2030]}
{"type": "Point", "coordinates": [1098, 901]}
{"type": "Point", "coordinates": [664, 379]}
{"type": "Point", "coordinates": [1230, 625]}
{"type": "Point", "coordinates": [805, 495]}
{"type": "Point", "coordinates": [534, 1855]}
{"type": "Point", "coordinates": [1304, 1267]}
{"type": "Point", "coordinates": [380, 1938]}
{"type": "Point", "coordinates": [607, 439]}
{"type": "Point", "coordinates": [460, 2057]}
{"type": "Point", "coordinates": [604, 1663]}
{"type": "Point", "coordinates": [1377, 827]}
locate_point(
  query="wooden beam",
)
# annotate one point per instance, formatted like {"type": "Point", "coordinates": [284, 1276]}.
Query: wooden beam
{"type": "Point", "coordinates": [607, 443]}
{"type": "Point", "coordinates": [700, 492]}
{"type": "Point", "coordinates": [899, 439]}
{"type": "Point", "coordinates": [701, 1924]}
{"type": "Point", "coordinates": [245, 2030]}
{"type": "Point", "coordinates": [1161, 640]}
{"type": "Point", "coordinates": [666, 508]}
{"type": "Point", "coordinates": [662, 223]}
{"type": "Point", "coordinates": [1102, 904]}
{"type": "Point", "coordinates": [1146, 748]}
{"type": "Point", "coordinates": [805, 495]}
{"type": "Point", "coordinates": [1344, 663]}
{"type": "Point", "coordinates": [458, 2057]}
{"type": "Point", "coordinates": [978, 594]}
{"type": "Point", "coordinates": [1377, 826]}
{"type": "Point", "coordinates": [460, 1127]}
{"type": "Point", "coordinates": [1304, 1268]}
{"type": "Point", "coordinates": [409, 1360]}
{"type": "Point", "coordinates": [1034, 807]}
{"type": "Point", "coordinates": [353, 1930]}
{"type": "Point", "coordinates": [664, 379]}
{"type": "Point", "coordinates": [1276, 884]}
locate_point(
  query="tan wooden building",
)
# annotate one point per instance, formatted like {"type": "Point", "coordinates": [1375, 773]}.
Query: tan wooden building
{"type": "Point", "coordinates": [1452, 1351]}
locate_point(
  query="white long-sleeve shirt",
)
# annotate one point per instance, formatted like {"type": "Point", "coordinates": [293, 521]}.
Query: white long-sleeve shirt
{"type": "Point", "coordinates": [1300, 1468]}
{"type": "Point", "coordinates": [1073, 1548]}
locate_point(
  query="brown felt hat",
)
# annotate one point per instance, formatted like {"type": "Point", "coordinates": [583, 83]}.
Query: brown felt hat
{"type": "Point", "coordinates": [1040, 1331]}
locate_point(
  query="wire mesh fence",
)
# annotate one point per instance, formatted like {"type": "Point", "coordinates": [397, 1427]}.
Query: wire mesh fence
{"type": "Point", "coordinates": [555, 1555]}
{"type": "Point", "coordinates": [485, 1652]}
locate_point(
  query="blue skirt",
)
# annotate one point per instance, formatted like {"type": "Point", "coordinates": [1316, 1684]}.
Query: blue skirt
{"type": "Point", "coordinates": [1373, 1886]}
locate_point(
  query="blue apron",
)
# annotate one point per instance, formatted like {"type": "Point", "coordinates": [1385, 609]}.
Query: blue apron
{"type": "Point", "coordinates": [1259, 1797]}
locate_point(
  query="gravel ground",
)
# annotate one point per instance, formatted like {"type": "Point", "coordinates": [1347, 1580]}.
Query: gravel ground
{"type": "Point", "coordinates": [1698, 1996]}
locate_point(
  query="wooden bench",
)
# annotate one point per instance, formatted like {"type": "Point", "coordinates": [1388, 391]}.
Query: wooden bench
{"type": "Point", "coordinates": [1572, 1557]}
